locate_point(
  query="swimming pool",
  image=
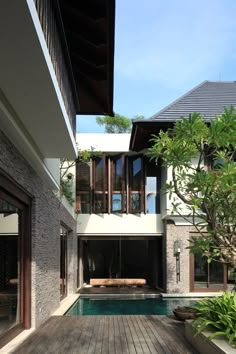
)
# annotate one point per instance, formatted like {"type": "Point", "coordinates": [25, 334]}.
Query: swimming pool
{"type": "Point", "coordinates": [146, 306]}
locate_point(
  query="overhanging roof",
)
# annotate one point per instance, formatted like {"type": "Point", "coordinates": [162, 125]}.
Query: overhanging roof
{"type": "Point", "coordinates": [209, 98]}
{"type": "Point", "coordinates": [142, 132]}
{"type": "Point", "coordinates": [89, 27]}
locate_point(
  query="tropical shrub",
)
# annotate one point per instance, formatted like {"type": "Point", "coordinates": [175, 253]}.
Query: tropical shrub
{"type": "Point", "coordinates": [218, 314]}
{"type": "Point", "coordinates": [67, 188]}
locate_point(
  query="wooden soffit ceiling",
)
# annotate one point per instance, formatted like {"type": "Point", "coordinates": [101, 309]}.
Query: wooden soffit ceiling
{"type": "Point", "coordinates": [89, 27]}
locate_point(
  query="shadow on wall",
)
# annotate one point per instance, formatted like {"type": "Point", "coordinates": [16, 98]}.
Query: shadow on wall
{"type": "Point", "coordinates": [172, 283]}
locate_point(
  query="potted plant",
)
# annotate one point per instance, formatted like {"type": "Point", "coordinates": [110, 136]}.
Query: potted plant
{"type": "Point", "coordinates": [183, 313]}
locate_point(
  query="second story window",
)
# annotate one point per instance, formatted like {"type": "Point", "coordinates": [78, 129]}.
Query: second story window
{"type": "Point", "coordinates": [83, 198]}
{"type": "Point", "coordinates": [136, 185]}
{"type": "Point", "coordinates": [118, 185]}
{"type": "Point", "coordinates": [99, 186]}
{"type": "Point", "coordinates": [153, 178]}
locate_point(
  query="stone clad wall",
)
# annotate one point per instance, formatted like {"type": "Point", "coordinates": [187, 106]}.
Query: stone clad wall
{"type": "Point", "coordinates": [173, 233]}
{"type": "Point", "coordinates": [47, 213]}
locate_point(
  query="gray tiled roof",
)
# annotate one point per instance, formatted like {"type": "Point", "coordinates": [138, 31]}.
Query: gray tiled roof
{"type": "Point", "coordinates": [209, 98]}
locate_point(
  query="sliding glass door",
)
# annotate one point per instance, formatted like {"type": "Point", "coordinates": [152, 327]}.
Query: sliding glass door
{"type": "Point", "coordinates": [14, 263]}
{"type": "Point", "coordinates": [207, 276]}
{"type": "Point", "coordinates": [63, 262]}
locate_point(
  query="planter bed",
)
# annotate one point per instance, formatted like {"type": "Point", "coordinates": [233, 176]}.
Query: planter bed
{"type": "Point", "coordinates": [204, 345]}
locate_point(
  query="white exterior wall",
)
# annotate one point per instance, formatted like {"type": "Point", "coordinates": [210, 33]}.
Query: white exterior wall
{"type": "Point", "coordinates": [103, 142]}
{"type": "Point", "coordinates": [119, 224]}
{"type": "Point", "coordinates": [125, 224]}
{"type": "Point", "coordinates": [166, 200]}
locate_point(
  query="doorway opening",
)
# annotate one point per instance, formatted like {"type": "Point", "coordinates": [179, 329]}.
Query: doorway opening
{"type": "Point", "coordinates": [15, 261]}
{"type": "Point", "coordinates": [124, 257]}
{"type": "Point", "coordinates": [63, 262]}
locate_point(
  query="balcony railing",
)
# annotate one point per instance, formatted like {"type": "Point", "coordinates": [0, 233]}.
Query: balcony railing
{"type": "Point", "coordinates": [47, 16]}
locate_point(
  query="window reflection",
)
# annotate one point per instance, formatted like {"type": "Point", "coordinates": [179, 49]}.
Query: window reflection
{"type": "Point", "coordinates": [9, 266]}
{"type": "Point", "coordinates": [63, 262]}
{"type": "Point", "coordinates": [117, 184]}
{"type": "Point", "coordinates": [207, 275]}
{"type": "Point", "coordinates": [116, 202]}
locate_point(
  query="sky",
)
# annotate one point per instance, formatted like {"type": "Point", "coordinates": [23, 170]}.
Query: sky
{"type": "Point", "coordinates": [165, 48]}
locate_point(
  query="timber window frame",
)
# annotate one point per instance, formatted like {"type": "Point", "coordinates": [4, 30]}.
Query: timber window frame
{"type": "Point", "coordinates": [100, 185]}
{"type": "Point", "coordinates": [118, 189]}
{"type": "Point", "coordinates": [134, 180]}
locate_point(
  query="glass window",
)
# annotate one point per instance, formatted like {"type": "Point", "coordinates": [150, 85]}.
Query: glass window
{"type": "Point", "coordinates": [99, 175]}
{"type": "Point", "coordinates": [231, 278]}
{"type": "Point", "coordinates": [118, 184]}
{"type": "Point", "coordinates": [136, 185]}
{"type": "Point", "coordinates": [136, 174]}
{"type": "Point", "coordinates": [100, 192]}
{"type": "Point", "coordinates": [83, 204]}
{"type": "Point", "coordinates": [135, 202]}
{"type": "Point", "coordinates": [63, 262]}
{"type": "Point", "coordinates": [10, 266]}
{"type": "Point", "coordinates": [15, 260]}
{"type": "Point", "coordinates": [117, 174]}
{"type": "Point", "coordinates": [208, 275]}
{"type": "Point", "coordinates": [153, 178]}
{"type": "Point", "coordinates": [116, 202]}
{"type": "Point", "coordinates": [151, 187]}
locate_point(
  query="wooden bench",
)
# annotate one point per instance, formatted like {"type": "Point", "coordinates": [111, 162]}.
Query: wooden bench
{"type": "Point", "coordinates": [117, 282]}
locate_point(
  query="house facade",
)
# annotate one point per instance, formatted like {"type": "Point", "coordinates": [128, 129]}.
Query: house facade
{"type": "Point", "coordinates": [56, 61]}
{"type": "Point", "coordinates": [126, 227]}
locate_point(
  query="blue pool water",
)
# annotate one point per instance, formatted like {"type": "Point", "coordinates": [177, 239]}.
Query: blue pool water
{"type": "Point", "coordinates": [157, 306]}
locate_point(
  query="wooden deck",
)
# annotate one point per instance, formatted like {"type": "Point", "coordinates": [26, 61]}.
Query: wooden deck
{"type": "Point", "coordinates": [108, 334]}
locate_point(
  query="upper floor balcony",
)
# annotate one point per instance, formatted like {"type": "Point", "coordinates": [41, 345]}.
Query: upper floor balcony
{"type": "Point", "coordinates": [56, 61]}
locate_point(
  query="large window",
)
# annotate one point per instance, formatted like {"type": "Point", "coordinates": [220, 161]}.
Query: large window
{"type": "Point", "coordinates": [63, 261]}
{"type": "Point", "coordinates": [207, 276]}
{"type": "Point", "coordinates": [15, 249]}
{"type": "Point", "coordinates": [83, 204]}
{"type": "Point", "coordinates": [118, 184]}
{"type": "Point", "coordinates": [100, 195]}
{"type": "Point", "coordinates": [136, 183]}
{"type": "Point", "coordinates": [153, 179]}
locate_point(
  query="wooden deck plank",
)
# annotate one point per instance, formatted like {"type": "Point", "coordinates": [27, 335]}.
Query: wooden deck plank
{"type": "Point", "coordinates": [107, 334]}
{"type": "Point", "coordinates": [105, 338]}
{"type": "Point", "coordinates": [85, 337]}
{"type": "Point", "coordinates": [98, 344]}
{"type": "Point", "coordinates": [156, 339]}
{"type": "Point", "coordinates": [94, 337]}
{"type": "Point", "coordinates": [111, 340]}
{"type": "Point", "coordinates": [122, 335]}
{"type": "Point", "coordinates": [140, 334]}
{"type": "Point", "coordinates": [149, 338]}
{"type": "Point", "coordinates": [117, 337]}
{"type": "Point", "coordinates": [166, 335]}
{"type": "Point", "coordinates": [136, 339]}
{"type": "Point", "coordinates": [128, 335]}
{"type": "Point", "coordinates": [177, 330]}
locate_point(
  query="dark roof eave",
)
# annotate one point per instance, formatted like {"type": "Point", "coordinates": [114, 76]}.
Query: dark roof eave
{"type": "Point", "coordinates": [140, 126]}
{"type": "Point", "coordinates": [91, 95]}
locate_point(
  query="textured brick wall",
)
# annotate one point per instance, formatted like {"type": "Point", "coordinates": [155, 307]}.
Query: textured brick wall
{"type": "Point", "coordinates": [47, 213]}
{"type": "Point", "coordinates": [173, 233]}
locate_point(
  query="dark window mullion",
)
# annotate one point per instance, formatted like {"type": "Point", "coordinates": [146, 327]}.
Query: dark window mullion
{"type": "Point", "coordinates": [143, 178]}
{"type": "Point", "coordinates": [104, 167]}
{"type": "Point", "coordinates": [123, 184]}
{"type": "Point", "coordinates": [93, 209]}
